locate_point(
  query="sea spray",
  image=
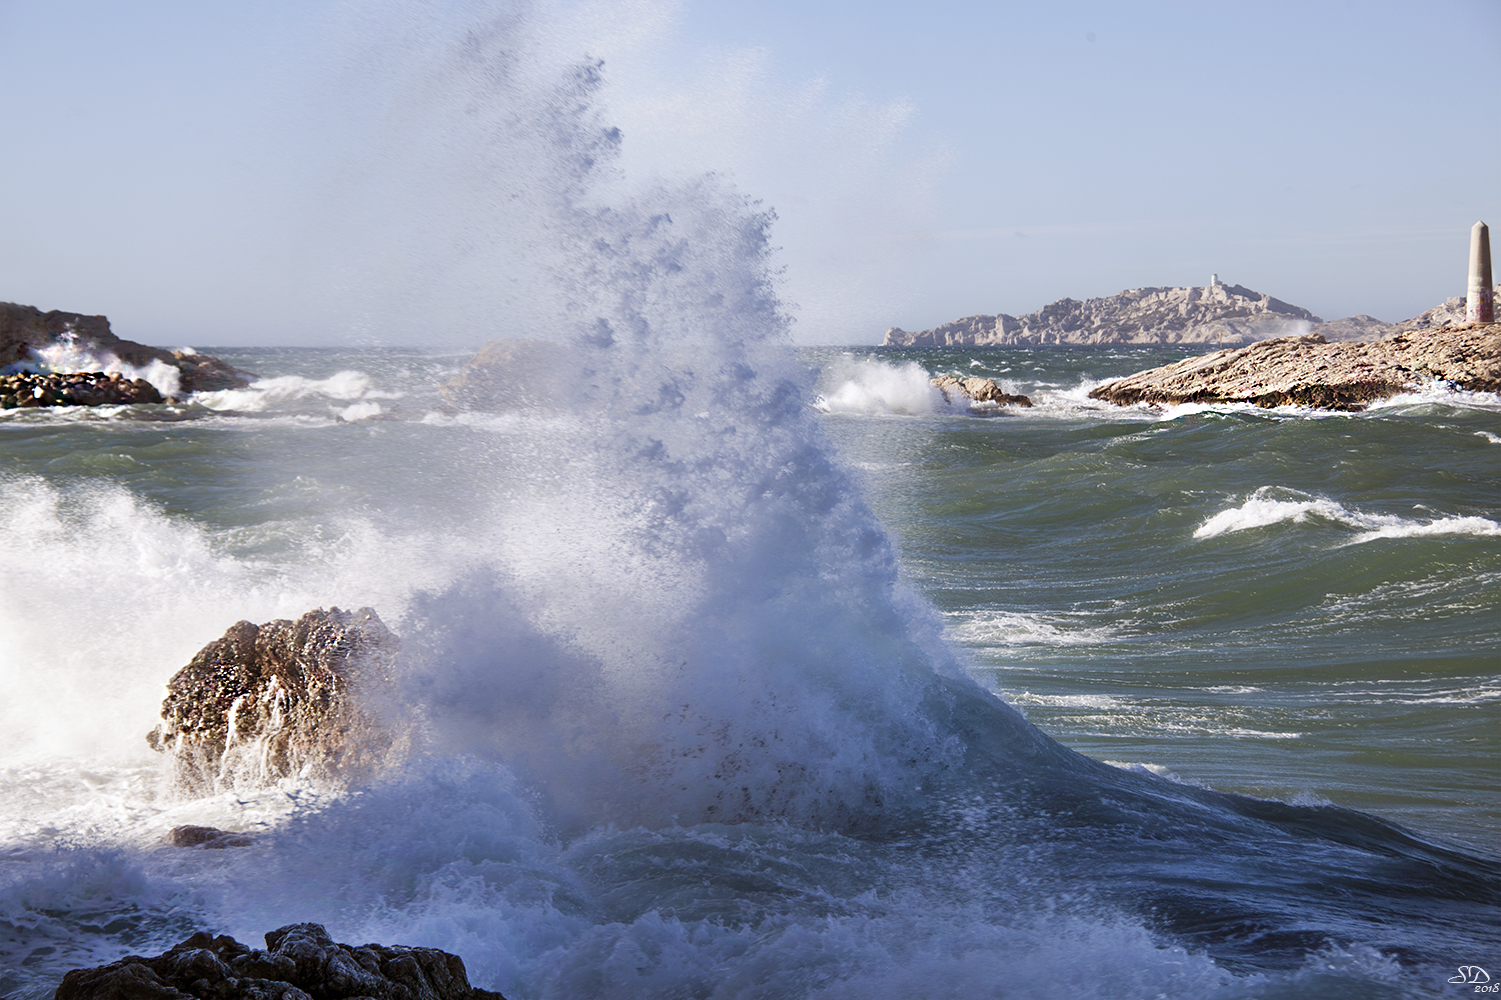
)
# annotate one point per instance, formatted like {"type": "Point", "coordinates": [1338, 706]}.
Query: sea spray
{"type": "Point", "coordinates": [684, 729]}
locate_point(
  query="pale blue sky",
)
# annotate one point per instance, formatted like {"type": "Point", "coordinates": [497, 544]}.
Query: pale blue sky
{"type": "Point", "coordinates": [170, 164]}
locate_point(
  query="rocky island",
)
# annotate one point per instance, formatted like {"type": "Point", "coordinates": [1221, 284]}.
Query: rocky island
{"type": "Point", "coordinates": [1212, 314]}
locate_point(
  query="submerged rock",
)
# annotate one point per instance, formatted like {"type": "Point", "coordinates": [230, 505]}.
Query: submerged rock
{"type": "Point", "coordinates": [977, 391]}
{"type": "Point", "coordinates": [27, 334]}
{"type": "Point", "coordinates": [280, 699]}
{"type": "Point", "coordinates": [300, 962]}
{"type": "Point", "coordinates": [1309, 371]}
{"type": "Point", "coordinates": [513, 375]}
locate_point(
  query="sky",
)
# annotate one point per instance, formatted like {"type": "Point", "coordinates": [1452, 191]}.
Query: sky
{"type": "Point", "coordinates": [202, 172]}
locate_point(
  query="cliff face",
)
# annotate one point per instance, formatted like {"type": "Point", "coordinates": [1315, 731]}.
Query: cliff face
{"type": "Point", "coordinates": [1210, 314]}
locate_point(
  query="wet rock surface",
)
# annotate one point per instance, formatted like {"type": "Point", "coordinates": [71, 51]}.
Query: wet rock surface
{"type": "Point", "coordinates": [280, 699]}
{"type": "Point", "coordinates": [977, 391]}
{"type": "Point", "coordinates": [299, 962]}
{"type": "Point", "coordinates": [75, 389]}
{"type": "Point", "coordinates": [210, 837]}
{"type": "Point", "coordinates": [26, 330]}
{"type": "Point", "coordinates": [1309, 371]}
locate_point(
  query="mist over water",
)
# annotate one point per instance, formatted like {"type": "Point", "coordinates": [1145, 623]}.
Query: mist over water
{"type": "Point", "coordinates": [681, 724]}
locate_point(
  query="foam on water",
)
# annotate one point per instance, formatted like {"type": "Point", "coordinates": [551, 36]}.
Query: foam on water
{"type": "Point", "coordinates": [351, 388]}
{"type": "Point", "coordinates": [879, 387]}
{"type": "Point", "coordinates": [1266, 507]}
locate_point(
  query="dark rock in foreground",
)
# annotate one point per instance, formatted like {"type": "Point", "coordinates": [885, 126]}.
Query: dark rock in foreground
{"type": "Point", "coordinates": [977, 391]}
{"type": "Point", "coordinates": [300, 962]}
{"type": "Point", "coordinates": [280, 699]}
{"type": "Point", "coordinates": [25, 330]}
{"type": "Point", "coordinates": [1309, 371]}
{"type": "Point", "coordinates": [77, 389]}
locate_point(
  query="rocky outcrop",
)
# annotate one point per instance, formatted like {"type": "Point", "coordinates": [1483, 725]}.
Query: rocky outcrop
{"type": "Point", "coordinates": [512, 375]}
{"type": "Point", "coordinates": [1310, 371]}
{"type": "Point", "coordinates": [300, 962]}
{"type": "Point", "coordinates": [983, 394]}
{"type": "Point", "coordinates": [77, 389]}
{"type": "Point", "coordinates": [210, 837]}
{"type": "Point", "coordinates": [1215, 313]}
{"type": "Point", "coordinates": [285, 698]}
{"type": "Point", "coordinates": [28, 335]}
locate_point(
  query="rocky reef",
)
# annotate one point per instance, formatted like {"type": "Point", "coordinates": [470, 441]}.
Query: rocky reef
{"type": "Point", "coordinates": [1310, 371]}
{"type": "Point", "coordinates": [75, 389]}
{"type": "Point", "coordinates": [1208, 314]}
{"type": "Point", "coordinates": [31, 340]}
{"type": "Point", "coordinates": [299, 962]}
{"type": "Point", "coordinates": [983, 394]}
{"type": "Point", "coordinates": [280, 699]}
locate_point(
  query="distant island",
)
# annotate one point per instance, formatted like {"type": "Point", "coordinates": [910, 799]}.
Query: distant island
{"type": "Point", "coordinates": [1215, 313]}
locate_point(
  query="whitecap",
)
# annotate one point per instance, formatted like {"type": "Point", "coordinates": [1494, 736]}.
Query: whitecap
{"type": "Point", "coordinates": [1267, 506]}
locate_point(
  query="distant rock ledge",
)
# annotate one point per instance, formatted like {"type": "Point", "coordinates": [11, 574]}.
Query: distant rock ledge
{"type": "Point", "coordinates": [30, 340]}
{"type": "Point", "coordinates": [1310, 371]}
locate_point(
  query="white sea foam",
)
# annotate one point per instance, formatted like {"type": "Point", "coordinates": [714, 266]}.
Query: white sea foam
{"type": "Point", "coordinates": [349, 388]}
{"type": "Point", "coordinates": [1275, 505]}
{"type": "Point", "coordinates": [880, 387]}
{"type": "Point", "coordinates": [1100, 701]}
{"type": "Point", "coordinates": [1009, 628]}
{"type": "Point", "coordinates": [1492, 438]}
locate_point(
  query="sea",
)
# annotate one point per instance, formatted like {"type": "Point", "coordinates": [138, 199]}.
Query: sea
{"type": "Point", "coordinates": [737, 669]}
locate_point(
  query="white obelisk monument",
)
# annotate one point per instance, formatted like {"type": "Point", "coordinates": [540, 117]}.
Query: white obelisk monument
{"type": "Point", "coordinates": [1480, 306]}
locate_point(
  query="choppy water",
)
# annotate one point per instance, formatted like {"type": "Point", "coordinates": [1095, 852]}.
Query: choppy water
{"type": "Point", "coordinates": [719, 749]}
{"type": "Point", "coordinates": [710, 660]}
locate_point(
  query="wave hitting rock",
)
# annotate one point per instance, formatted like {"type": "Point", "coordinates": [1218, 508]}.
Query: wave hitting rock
{"type": "Point", "coordinates": [26, 333]}
{"type": "Point", "coordinates": [301, 962]}
{"type": "Point", "coordinates": [265, 702]}
{"type": "Point", "coordinates": [1310, 371]}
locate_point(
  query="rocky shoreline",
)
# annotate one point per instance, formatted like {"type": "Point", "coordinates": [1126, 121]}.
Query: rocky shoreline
{"type": "Point", "coordinates": [1310, 371]}
{"type": "Point", "coordinates": [73, 355]}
